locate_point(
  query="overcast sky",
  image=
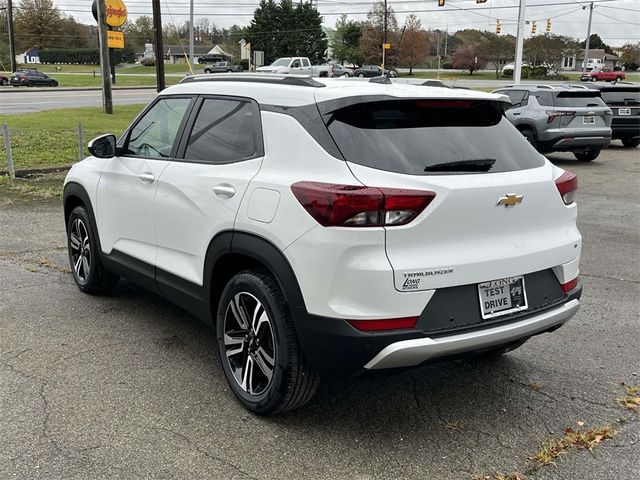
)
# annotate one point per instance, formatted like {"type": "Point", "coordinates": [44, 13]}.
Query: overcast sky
{"type": "Point", "coordinates": [616, 21]}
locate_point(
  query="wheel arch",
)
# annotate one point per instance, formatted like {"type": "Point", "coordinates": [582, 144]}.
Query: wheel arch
{"type": "Point", "coordinates": [75, 195]}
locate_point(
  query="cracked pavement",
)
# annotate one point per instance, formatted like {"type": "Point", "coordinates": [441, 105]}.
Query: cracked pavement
{"type": "Point", "coordinates": [129, 386]}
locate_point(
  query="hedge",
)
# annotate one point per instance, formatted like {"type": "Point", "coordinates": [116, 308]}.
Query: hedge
{"type": "Point", "coordinates": [90, 56]}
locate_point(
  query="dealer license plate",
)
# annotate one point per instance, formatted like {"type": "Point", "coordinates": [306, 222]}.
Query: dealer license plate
{"type": "Point", "coordinates": [624, 111]}
{"type": "Point", "coordinates": [588, 120]}
{"type": "Point", "coordinates": [502, 297]}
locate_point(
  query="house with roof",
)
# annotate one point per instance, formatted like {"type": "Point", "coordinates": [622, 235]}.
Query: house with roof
{"type": "Point", "coordinates": [572, 62]}
{"type": "Point", "coordinates": [180, 53]}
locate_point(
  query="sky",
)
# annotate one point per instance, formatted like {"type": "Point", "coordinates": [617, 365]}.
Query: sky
{"type": "Point", "coordinates": [616, 21]}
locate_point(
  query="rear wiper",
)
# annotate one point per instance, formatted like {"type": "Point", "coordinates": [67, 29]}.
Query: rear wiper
{"type": "Point", "coordinates": [479, 165]}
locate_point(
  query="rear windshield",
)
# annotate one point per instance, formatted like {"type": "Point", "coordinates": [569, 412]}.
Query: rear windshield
{"type": "Point", "coordinates": [427, 137]}
{"type": "Point", "coordinates": [579, 99]}
{"type": "Point", "coordinates": [622, 96]}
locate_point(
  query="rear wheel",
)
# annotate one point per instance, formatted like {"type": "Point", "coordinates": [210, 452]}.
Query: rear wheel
{"type": "Point", "coordinates": [206, 70]}
{"type": "Point", "coordinates": [631, 142]}
{"type": "Point", "coordinates": [594, 79]}
{"type": "Point", "coordinates": [4, 81]}
{"type": "Point", "coordinates": [530, 137]}
{"type": "Point", "coordinates": [29, 84]}
{"type": "Point", "coordinates": [618, 79]}
{"type": "Point", "coordinates": [587, 156]}
{"type": "Point", "coordinates": [258, 346]}
{"type": "Point", "coordinates": [361, 75]}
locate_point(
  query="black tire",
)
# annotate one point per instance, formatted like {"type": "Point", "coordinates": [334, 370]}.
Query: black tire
{"type": "Point", "coordinates": [206, 70]}
{"type": "Point", "coordinates": [53, 83]}
{"type": "Point", "coordinates": [631, 142]}
{"type": "Point", "coordinates": [291, 384]}
{"type": "Point", "coordinates": [618, 80]}
{"type": "Point", "coordinates": [29, 84]}
{"type": "Point", "coordinates": [502, 349]}
{"type": "Point", "coordinates": [84, 257]}
{"type": "Point", "coordinates": [361, 75]}
{"type": "Point", "coordinates": [530, 137]}
{"type": "Point", "coordinates": [4, 82]}
{"type": "Point", "coordinates": [594, 79]}
{"type": "Point", "coordinates": [587, 156]}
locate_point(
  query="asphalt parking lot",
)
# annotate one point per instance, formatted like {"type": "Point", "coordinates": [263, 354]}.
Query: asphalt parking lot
{"type": "Point", "coordinates": [129, 386]}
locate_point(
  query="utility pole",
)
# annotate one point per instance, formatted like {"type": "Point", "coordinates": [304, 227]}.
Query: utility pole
{"type": "Point", "coordinates": [438, 51]}
{"type": "Point", "coordinates": [586, 44]}
{"type": "Point", "coordinates": [12, 40]}
{"type": "Point", "coordinates": [157, 45]}
{"type": "Point", "coordinates": [107, 101]}
{"type": "Point", "coordinates": [519, 43]}
{"type": "Point", "coordinates": [384, 37]}
{"type": "Point", "coordinates": [190, 32]}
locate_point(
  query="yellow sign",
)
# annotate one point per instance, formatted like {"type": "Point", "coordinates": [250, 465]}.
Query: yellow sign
{"type": "Point", "coordinates": [115, 39]}
{"type": "Point", "coordinates": [386, 46]}
{"type": "Point", "coordinates": [116, 13]}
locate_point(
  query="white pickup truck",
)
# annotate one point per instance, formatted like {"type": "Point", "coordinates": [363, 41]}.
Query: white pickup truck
{"type": "Point", "coordinates": [297, 66]}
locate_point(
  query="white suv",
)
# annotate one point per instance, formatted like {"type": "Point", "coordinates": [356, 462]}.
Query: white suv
{"type": "Point", "coordinates": [329, 228]}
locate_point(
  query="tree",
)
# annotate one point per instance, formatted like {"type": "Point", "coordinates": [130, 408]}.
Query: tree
{"type": "Point", "coordinates": [548, 49]}
{"type": "Point", "coordinates": [373, 34]}
{"type": "Point", "coordinates": [37, 23]}
{"type": "Point", "coordinates": [596, 42]}
{"type": "Point", "coordinates": [345, 44]}
{"type": "Point", "coordinates": [498, 49]}
{"type": "Point", "coordinates": [631, 56]}
{"type": "Point", "coordinates": [469, 57]}
{"type": "Point", "coordinates": [415, 44]}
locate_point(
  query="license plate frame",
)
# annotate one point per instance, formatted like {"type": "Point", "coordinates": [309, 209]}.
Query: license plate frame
{"type": "Point", "coordinates": [517, 300]}
{"type": "Point", "coordinates": [624, 112]}
{"type": "Point", "coordinates": [588, 120]}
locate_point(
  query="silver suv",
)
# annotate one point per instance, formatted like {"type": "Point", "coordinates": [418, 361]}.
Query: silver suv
{"type": "Point", "coordinates": [560, 118]}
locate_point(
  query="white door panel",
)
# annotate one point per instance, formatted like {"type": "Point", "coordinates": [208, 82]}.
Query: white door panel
{"type": "Point", "coordinates": [125, 197]}
{"type": "Point", "coordinates": [194, 202]}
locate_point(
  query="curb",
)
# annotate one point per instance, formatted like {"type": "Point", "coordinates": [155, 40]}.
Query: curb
{"type": "Point", "coordinates": [71, 89]}
{"type": "Point", "coordinates": [35, 171]}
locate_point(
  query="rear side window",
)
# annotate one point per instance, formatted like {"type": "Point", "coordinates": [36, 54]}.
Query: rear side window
{"type": "Point", "coordinates": [426, 137]}
{"type": "Point", "coordinates": [622, 96]}
{"type": "Point", "coordinates": [545, 99]}
{"type": "Point", "coordinates": [518, 97]}
{"type": "Point", "coordinates": [224, 131]}
{"type": "Point", "coordinates": [577, 99]}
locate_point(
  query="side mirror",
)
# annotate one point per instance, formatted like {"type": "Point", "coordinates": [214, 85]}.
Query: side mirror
{"type": "Point", "coordinates": [103, 146]}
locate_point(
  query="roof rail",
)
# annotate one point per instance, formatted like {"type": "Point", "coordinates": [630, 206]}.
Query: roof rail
{"type": "Point", "coordinates": [271, 78]}
{"type": "Point", "coordinates": [383, 79]}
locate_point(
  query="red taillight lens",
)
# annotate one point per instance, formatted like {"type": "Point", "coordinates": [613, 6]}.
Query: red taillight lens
{"type": "Point", "coordinates": [567, 185]}
{"type": "Point", "coordinates": [567, 287]}
{"type": "Point", "coordinates": [552, 114]}
{"type": "Point", "coordinates": [384, 325]}
{"type": "Point", "coordinates": [358, 206]}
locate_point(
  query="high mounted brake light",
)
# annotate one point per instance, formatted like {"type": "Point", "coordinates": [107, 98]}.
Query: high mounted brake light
{"type": "Point", "coordinates": [567, 185]}
{"type": "Point", "coordinates": [334, 205]}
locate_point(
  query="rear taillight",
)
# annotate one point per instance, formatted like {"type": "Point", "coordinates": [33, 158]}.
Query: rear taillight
{"type": "Point", "coordinates": [384, 324]}
{"type": "Point", "coordinates": [358, 206]}
{"type": "Point", "coordinates": [567, 287]}
{"type": "Point", "coordinates": [567, 185]}
{"type": "Point", "coordinates": [552, 114]}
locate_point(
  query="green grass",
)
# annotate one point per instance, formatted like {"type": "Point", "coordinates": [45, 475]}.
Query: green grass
{"type": "Point", "coordinates": [50, 138]}
{"type": "Point", "coordinates": [34, 187]}
{"type": "Point", "coordinates": [168, 68]}
{"type": "Point", "coordinates": [81, 80]}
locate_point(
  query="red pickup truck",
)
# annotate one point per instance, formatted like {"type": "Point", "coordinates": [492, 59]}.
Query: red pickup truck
{"type": "Point", "coordinates": [603, 75]}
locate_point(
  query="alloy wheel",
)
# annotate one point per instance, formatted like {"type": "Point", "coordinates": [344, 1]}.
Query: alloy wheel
{"type": "Point", "coordinates": [249, 343]}
{"type": "Point", "coordinates": [80, 250]}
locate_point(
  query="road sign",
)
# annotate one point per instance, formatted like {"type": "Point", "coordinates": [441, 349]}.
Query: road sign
{"type": "Point", "coordinates": [387, 46]}
{"type": "Point", "coordinates": [115, 39]}
{"type": "Point", "coordinates": [258, 58]}
{"type": "Point", "coordinates": [116, 12]}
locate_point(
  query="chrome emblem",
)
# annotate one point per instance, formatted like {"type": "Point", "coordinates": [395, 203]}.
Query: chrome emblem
{"type": "Point", "coordinates": [510, 200]}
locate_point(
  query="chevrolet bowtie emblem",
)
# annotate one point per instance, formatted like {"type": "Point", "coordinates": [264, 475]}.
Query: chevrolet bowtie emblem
{"type": "Point", "coordinates": [510, 200]}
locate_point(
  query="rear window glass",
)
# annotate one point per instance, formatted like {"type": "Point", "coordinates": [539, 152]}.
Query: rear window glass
{"type": "Point", "coordinates": [579, 99]}
{"type": "Point", "coordinates": [622, 96]}
{"type": "Point", "coordinates": [426, 137]}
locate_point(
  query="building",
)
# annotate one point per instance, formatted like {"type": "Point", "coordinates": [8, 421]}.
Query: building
{"type": "Point", "coordinates": [201, 53]}
{"type": "Point", "coordinates": [572, 62]}
{"type": "Point", "coordinates": [30, 56]}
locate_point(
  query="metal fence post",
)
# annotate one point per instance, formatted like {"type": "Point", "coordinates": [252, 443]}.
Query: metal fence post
{"type": "Point", "coordinates": [7, 147]}
{"type": "Point", "coordinates": [80, 142]}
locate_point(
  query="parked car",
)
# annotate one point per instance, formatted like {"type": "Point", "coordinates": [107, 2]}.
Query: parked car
{"type": "Point", "coordinates": [367, 71]}
{"type": "Point", "coordinates": [297, 66]}
{"type": "Point", "coordinates": [624, 102]}
{"type": "Point", "coordinates": [329, 228]}
{"type": "Point", "coordinates": [341, 70]}
{"type": "Point", "coordinates": [4, 80]}
{"type": "Point", "coordinates": [32, 78]}
{"type": "Point", "coordinates": [560, 118]}
{"type": "Point", "coordinates": [222, 67]}
{"type": "Point", "coordinates": [604, 74]}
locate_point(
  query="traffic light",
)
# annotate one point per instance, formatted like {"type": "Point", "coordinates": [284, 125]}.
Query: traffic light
{"type": "Point", "coordinates": [441, 3]}
{"type": "Point", "coordinates": [533, 27]}
{"type": "Point", "coordinates": [498, 27]}
{"type": "Point", "coordinates": [548, 24]}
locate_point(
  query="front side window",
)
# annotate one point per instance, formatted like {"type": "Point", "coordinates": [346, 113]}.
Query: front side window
{"type": "Point", "coordinates": [154, 134]}
{"type": "Point", "coordinates": [224, 131]}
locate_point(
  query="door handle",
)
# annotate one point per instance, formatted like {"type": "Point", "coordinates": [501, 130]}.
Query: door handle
{"type": "Point", "coordinates": [147, 177]}
{"type": "Point", "coordinates": [224, 190]}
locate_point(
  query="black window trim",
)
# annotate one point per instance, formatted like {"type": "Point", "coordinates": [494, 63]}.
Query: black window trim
{"type": "Point", "coordinates": [123, 141]}
{"type": "Point", "coordinates": [193, 115]}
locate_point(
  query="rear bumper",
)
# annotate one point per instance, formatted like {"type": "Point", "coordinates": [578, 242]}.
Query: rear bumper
{"type": "Point", "coordinates": [626, 128]}
{"type": "Point", "coordinates": [572, 143]}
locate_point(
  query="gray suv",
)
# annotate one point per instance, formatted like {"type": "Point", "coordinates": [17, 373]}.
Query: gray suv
{"type": "Point", "coordinates": [560, 118]}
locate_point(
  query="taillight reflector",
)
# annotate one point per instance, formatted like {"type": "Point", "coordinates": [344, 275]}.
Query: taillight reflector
{"type": "Point", "coordinates": [567, 287]}
{"type": "Point", "coordinates": [567, 185]}
{"type": "Point", "coordinates": [334, 205]}
{"type": "Point", "coordinates": [384, 325]}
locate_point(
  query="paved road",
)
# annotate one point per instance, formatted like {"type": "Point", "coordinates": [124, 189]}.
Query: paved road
{"type": "Point", "coordinates": [128, 386]}
{"type": "Point", "coordinates": [36, 99]}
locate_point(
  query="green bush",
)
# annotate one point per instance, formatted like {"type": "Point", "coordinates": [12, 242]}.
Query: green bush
{"type": "Point", "coordinates": [82, 56]}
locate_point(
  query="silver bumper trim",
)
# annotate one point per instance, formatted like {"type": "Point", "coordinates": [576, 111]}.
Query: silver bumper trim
{"type": "Point", "coordinates": [408, 353]}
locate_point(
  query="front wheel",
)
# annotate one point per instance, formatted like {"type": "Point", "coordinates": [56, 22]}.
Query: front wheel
{"type": "Point", "coordinates": [530, 137]}
{"type": "Point", "coordinates": [587, 156]}
{"type": "Point", "coordinates": [4, 82]}
{"type": "Point", "coordinates": [594, 79]}
{"type": "Point", "coordinates": [631, 142]}
{"type": "Point", "coordinates": [618, 80]}
{"type": "Point", "coordinates": [84, 258]}
{"type": "Point", "coordinates": [361, 75]}
{"type": "Point", "coordinates": [258, 346]}
{"type": "Point", "coordinates": [207, 70]}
